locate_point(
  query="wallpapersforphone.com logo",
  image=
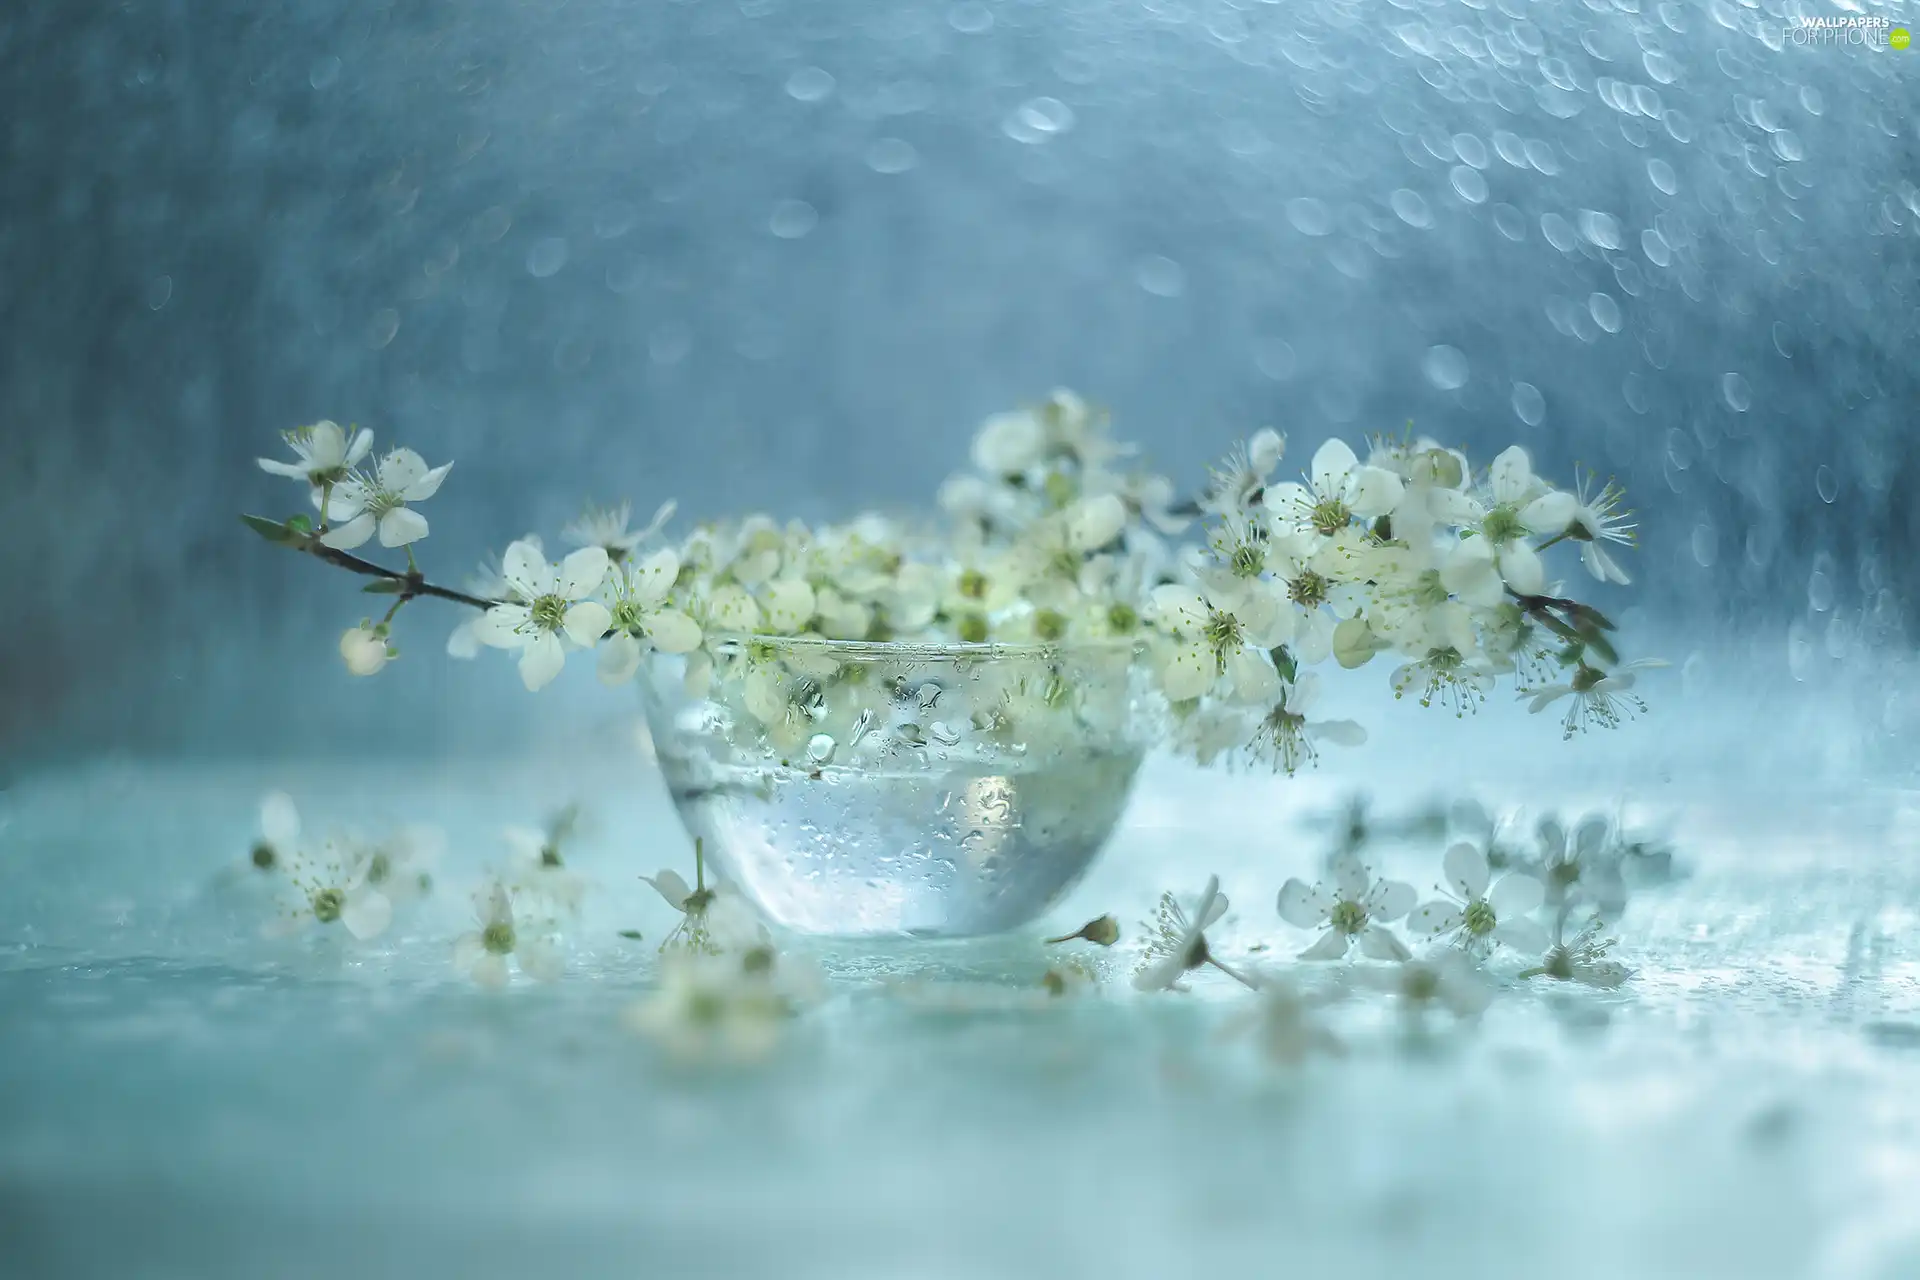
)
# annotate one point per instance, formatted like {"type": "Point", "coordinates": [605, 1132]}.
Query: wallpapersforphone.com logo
{"type": "Point", "coordinates": [1862, 30]}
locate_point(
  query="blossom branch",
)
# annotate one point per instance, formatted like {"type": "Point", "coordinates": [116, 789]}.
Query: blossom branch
{"type": "Point", "coordinates": [407, 584]}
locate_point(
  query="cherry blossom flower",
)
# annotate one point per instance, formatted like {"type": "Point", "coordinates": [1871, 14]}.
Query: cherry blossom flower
{"type": "Point", "coordinates": [365, 649]}
{"type": "Point", "coordinates": [1448, 981]}
{"type": "Point", "coordinates": [335, 891]}
{"type": "Point", "coordinates": [1583, 960]}
{"type": "Point", "coordinates": [642, 619]}
{"type": "Point", "coordinates": [1475, 915]}
{"type": "Point", "coordinates": [547, 602]}
{"type": "Point", "coordinates": [1177, 943]}
{"type": "Point", "coordinates": [365, 504]}
{"type": "Point", "coordinates": [711, 920]}
{"type": "Point", "coordinates": [1593, 519]}
{"type": "Point", "coordinates": [606, 528]}
{"type": "Point", "coordinates": [1339, 489]}
{"type": "Point", "coordinates": [1356, 909]}
{"type": "Point", "coordinates": [1285, 738]}
{"type": "Point", "coordinates": [324, 455]}
{"type": "Point", "coordinates": [1603, 698]}
{"type": "Point", "coordinates": [537, 865]}
{"type": "Point", "coordinates": [723, 1008]}
{"type": "Point", "coordinates": [483, 953]}
{"type": "Point", "coordinates": [1239, 483]}
{"type": "Point", "coordinates": [1285, 1023]}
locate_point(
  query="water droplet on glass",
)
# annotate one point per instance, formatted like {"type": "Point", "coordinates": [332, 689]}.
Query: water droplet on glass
{"type": "Point", "coordinates": [546, 257]}
{"type": "Point", "coordinates": [1558, 231]}
{"type": "Point", "coordinates": [810, 84]}
{"type": "Point", "coordinates": [324, 72]}
{"type": "Point", "coordinates": [1602, 229]}
{"type": "Point", "coordinates": [1510, 222]}
{"type": "Point", "coordinates": [1787, 145]}
{"type": "Point", "coordinates": [1661, 175]}
{"type": "Point", "coordinates": [860, 727]}
{"type": "Point", "coordinates": [891, 155]}
{"type": "Point", "coordinates": [159, 290]}
{"type": "Point", "coordinates": [381, 327]}
{"type": "Point", "coordinates": [943, 733]}
{"type": "Point", "coordinates": [1827, 483]}
{"type": "Point", "coordinates": [1161, 277]}
{"type": "Point", "coordinates": [1445, 367]}
{"type": "Point", "coordinates": [1706, 545]}
{"type": "Point", "coordinates": [1737, 393]}
{"type": "Point", "coordinates": [1605, 312]}
{"type": "Point", "coordinates": [792, 219]}
{"type": "Point", "coordinates": [971, 18]}
{"type": "Point", "coordinates": [1528, 404]}
{"type": "Point", "coordinates": [1411, 208]}
{"type": "Point", "coordinates": [1509, 148]}
{"type": "Point", "coordinates": [820, 748]}
{"type": "Point", "coordinates": [1275, 359]}
{"type": "Point", "coordinates": [1471, 150]}
{"type": "Point", "coordinates": [1309, 216]}
{"type": "Point", "coordinates": [1541, 157]}
{"type": "Point", "coordinates": [1039, 119]}
{"type": "Point", "coordinates": [1469, 184]}
{"type": "Point", "coordinates": [489, 225]}
{"type": "Point", "coordinates": [1819, 591]}
{"type": "Point", "coordinates": [1661, 68]}
{"type": "Point", "coordinates": [1654, 245]}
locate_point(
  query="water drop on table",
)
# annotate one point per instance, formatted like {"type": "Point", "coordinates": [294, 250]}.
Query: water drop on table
{"type": "Point", "coordinates": [820, 748]}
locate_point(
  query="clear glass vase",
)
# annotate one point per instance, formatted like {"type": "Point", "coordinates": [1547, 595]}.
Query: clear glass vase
{"type": "Point", "coordinates": [856, 788]}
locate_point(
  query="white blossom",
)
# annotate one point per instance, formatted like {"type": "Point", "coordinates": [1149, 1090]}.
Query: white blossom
{"type": "Point", "coordinates": [546, 603]}
{"type": "Point", "coordinates": [1355, 909]}
{"type": "Point", "coordinates": [1591, 518]}
{"type": "Point", "coordinates": [642, 618]}
{"type": "Point", "coordinates": [1448, 980]}
{"type": "Point", "coordinates": [365, 504]}
{"type": "Point", "coordinates": [1177, 942]}
{"type": "Point", "coordinates": [1339, 489]}
{"type": "Point", "coordinates": [365, 649]}
{"type": "Point", "coordinates": [483, 952]}
{"type": "Point", "coordinates": [606, 528]}
{"type": "Point", "coordinates": [1476, 914]}
{"type": "Point", "coordinates": [1286, 737]}
{"type": "Point", "coordinates": [335, 891]}
{"type": "Point", "coordinates": [323, 454]}
{"type": "Point", "coordinates": [1583, 960]}
{"type": "Point", "coordinates": [1603, 698]}
{"type": "Point", "coordinates": [723, 1008]}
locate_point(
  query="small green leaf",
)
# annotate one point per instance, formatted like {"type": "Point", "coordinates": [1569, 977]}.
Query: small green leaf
{"type": "Point", "coordinates": [300, 524]}
{"type": "Point", "coordinates": [1601, 648]}
{"type": "Point", "coordinates": [271, 530]}
{"type": "Point", "coordinates": [383, 587]}
{"type": "Point", "coordinates": [1283, 663]}
{"type": "Point", "coordinates": [632, 935]}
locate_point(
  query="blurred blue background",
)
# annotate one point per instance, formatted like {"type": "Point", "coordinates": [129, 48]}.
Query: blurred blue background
{"type": "Point", "coordinates": [758, 254]}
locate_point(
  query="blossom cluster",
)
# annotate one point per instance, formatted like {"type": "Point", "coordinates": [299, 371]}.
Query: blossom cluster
{"type": "Point", "coordinates": [1054, 539]}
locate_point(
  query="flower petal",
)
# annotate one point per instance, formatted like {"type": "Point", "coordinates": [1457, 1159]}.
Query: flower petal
{"type": "Point", "coordinates": [1522, 935]}
{"type": "Point", "coordinates": [1512, 476]}
{"type": "Point", "coordinates": [1190, 671]}
{"type": "Point", "coordinates": [279, 821]}
{"type": "Point", "coordinates": [358, 448]}
{"type": "Point", "coordinates": [672, 631]}
{"type": "Point", "coordinates": [1550, 513]}
{"type": "Point", "coordinates": [1291, 501]}
{"type": "Point", "coordinates": [1379, 943]}
{"type": "Point", "coordinates": [1303, 905]}
{"type": "Point", "coordinates": [1521, 567]}
{"type": "Point", "coordinates": [505, 626]}
{"type": "Point", "coordinates": [366, 913]}
{"type": "Point", "coordinates": [1331, 945]}
{"type": "Point", "coordinates": [586, 622]}
{"type": "Point", "coordinates": [1391, 899]}
{"type": "Point", "coordinates": [1466, 870]}
{"type": "Point", "coordinates": [619, 659]}
{"type": "Point", "coordinates": [1211, 905]}
{"type": "Point", "coordinates": [1376, 492]}
{"type": "Point", "coordinates": [427, 485]}
{"type": "Point", "coordinates": [399, 469]}
{"type": "Point", "coordinates": [671, 887]}
{"type": "Point", "coordinates": [1351, 877]}
{"type": "Point", "coordinates": [1435, 918]}
{"type": "Point", "coordinates": [490, 971]}
{"type": "Point", "coordinates": [1515, 895]}
{"type": "Point", "coordinates": [540, 960]}
{"type": "Point", "coordinates": [464, 640]}
{"type": "Point", "coordinates": [1333, 462]}
{"type": "Point", "coordinates": [292, 470]}
{"type": "Point", "coordinates": [653, 578]}
{"type": "Point", "coordinates": [582, 572]}
{"type": "Point", "coordinates": [541, 661]}
{"type": "Point", "coordinates": [525, 570]}
{"type": "Point", "coordinates": [351, 534]}
{"type": "Point", "coordinates": [401, 526]}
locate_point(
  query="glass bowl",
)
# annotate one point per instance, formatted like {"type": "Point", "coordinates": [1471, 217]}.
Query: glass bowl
{"type": "Point", "coordinates": [857, 788]}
